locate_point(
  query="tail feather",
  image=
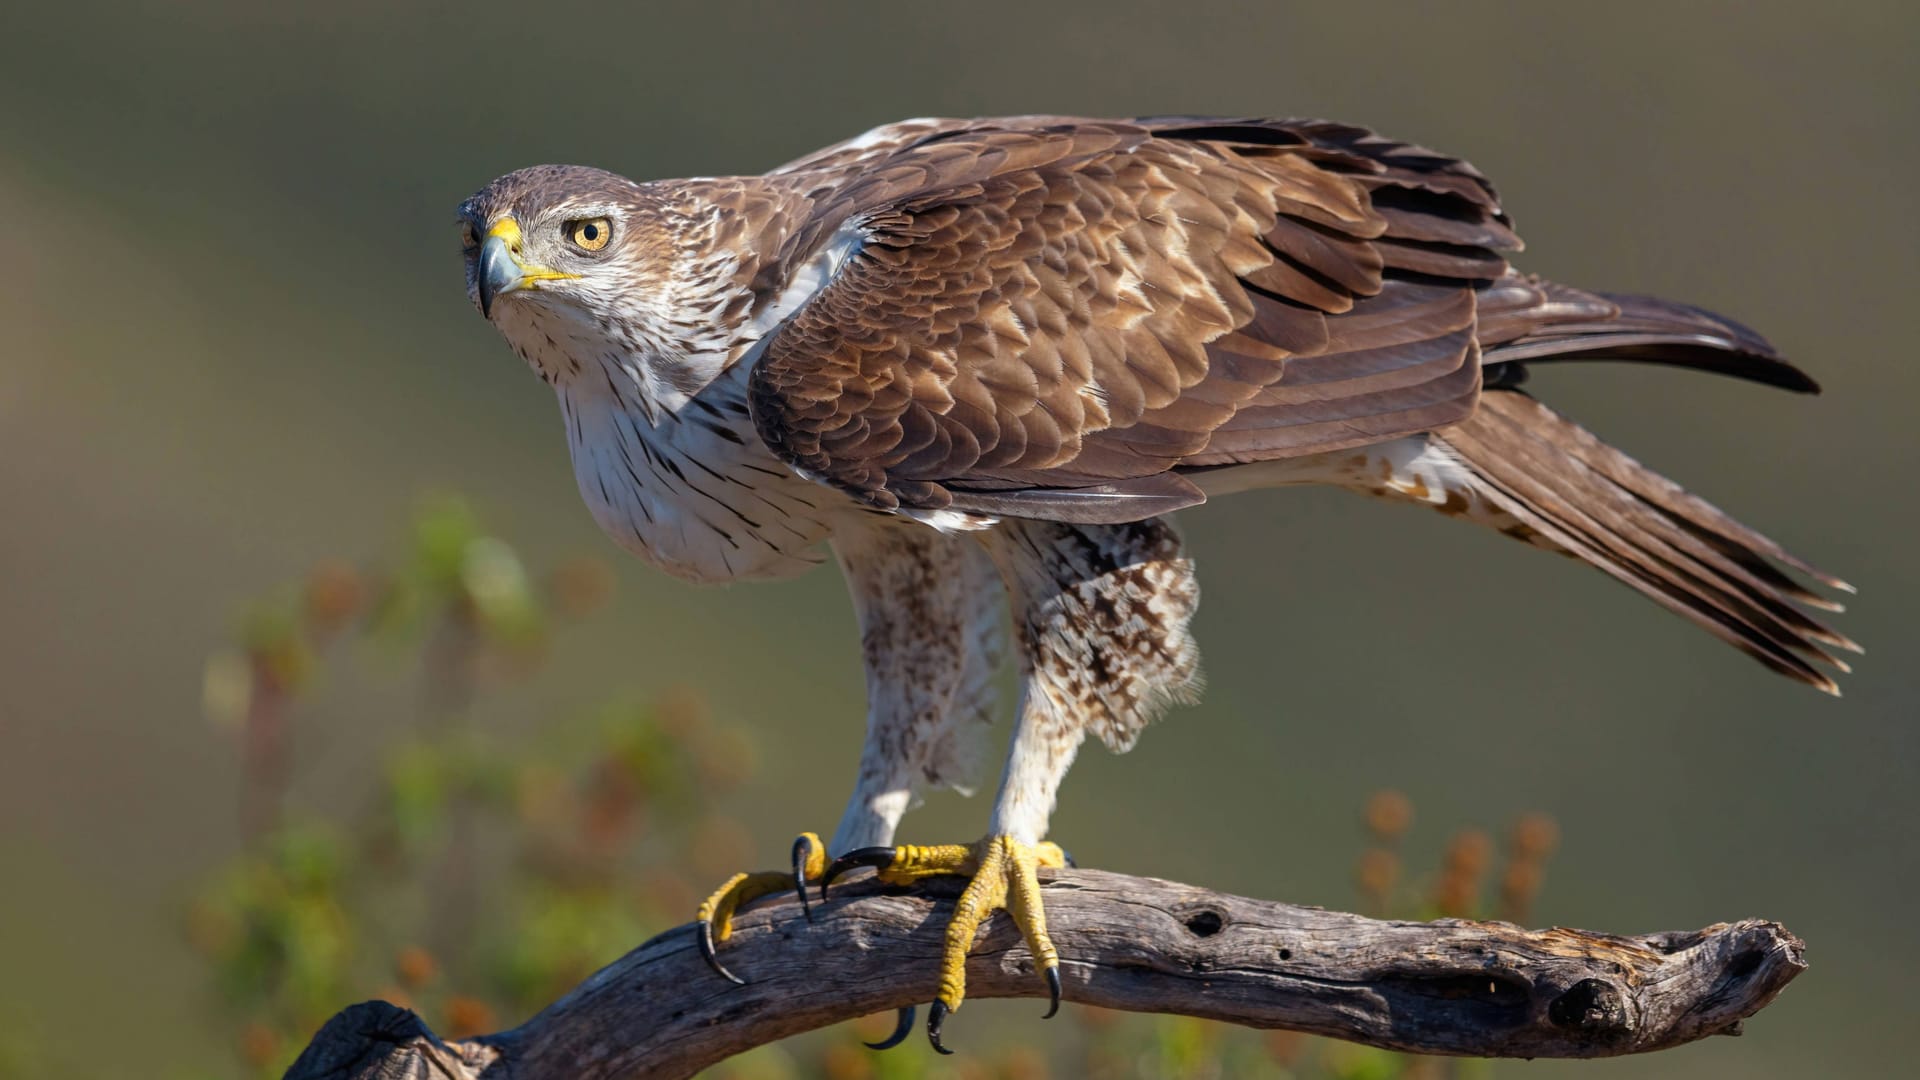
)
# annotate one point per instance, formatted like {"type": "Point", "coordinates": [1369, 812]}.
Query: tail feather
{"type": "Point", "coordinates": [1582, 496]}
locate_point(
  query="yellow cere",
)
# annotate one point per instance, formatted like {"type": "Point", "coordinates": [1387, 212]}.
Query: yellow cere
{"type": "Point", "coordinates": [507, 231]}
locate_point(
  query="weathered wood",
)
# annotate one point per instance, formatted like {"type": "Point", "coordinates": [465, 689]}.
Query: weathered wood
{"type": "Point", "coordinates": [1446, 987]}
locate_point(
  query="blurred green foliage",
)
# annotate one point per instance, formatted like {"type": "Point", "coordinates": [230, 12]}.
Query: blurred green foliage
{"type": "Point", "coordinates": [487, 877]}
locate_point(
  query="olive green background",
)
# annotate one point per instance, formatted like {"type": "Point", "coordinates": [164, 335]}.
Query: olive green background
{"type": "Point", "coordinates": [233, 339]}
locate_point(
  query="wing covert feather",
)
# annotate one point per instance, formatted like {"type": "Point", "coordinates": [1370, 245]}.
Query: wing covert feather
{"type": "Point", "coordinates": [1052, 317]}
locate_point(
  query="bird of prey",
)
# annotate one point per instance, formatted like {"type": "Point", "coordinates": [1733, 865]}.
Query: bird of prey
{"type": "Point", "coordinates": [980, 362]}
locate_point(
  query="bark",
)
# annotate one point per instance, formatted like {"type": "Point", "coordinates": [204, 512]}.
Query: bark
{"type": "Point", "coordinates": [1447, 987]}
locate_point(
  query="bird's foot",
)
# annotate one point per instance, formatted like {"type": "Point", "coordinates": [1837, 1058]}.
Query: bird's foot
{"type": "Point", "coordinates": [716, 914]}
{"type": "Point", "coordinates": [1004, 875]}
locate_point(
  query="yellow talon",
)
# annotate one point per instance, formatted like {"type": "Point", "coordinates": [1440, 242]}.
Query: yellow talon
{"type": "Point", "coordinates": [716, 913]}
{"type": "Point", "coordinates": [1005, 876]}
{"type": "Point", "coordinates": [912, 862]}
{"type": "Point", "coordinates": [1007, 879]}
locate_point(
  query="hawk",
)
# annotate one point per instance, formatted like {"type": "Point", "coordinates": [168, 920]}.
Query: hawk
{"type": "Point", "coordinates": [980, 362]}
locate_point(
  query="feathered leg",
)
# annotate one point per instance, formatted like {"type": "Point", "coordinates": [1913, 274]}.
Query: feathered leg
{"type": "Point", "coordinates": [933, 627]}
{"type": "Point", "coordinates": [1101, 613]}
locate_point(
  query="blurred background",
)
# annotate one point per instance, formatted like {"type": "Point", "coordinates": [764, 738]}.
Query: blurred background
{"type": "Point", "coordinates": [236, 348]}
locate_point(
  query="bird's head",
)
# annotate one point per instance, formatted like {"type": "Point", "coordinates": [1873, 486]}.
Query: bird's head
{"type": "Point", "coordinates": [569, 262]}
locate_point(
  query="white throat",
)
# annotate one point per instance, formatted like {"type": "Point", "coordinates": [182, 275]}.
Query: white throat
{"type": "Point", "coordinates": [692, 489]}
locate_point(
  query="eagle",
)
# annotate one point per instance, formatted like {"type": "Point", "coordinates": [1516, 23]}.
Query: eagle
{"type": "Point", "coordinates": [981, 361]}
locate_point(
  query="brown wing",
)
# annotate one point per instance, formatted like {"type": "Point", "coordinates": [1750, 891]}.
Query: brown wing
{"type": "Point", "coordinates": [1053, 318]}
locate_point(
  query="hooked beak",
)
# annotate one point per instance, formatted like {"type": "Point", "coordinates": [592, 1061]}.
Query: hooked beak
{"type": "Point", "coordinates": [501, 271]}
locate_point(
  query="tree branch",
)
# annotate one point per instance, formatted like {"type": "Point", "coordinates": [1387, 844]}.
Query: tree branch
{"type": "Point", "coordinates": [1448, 987]}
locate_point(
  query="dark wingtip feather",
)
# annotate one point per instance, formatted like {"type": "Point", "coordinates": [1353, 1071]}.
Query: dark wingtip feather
{"type": "Point", "coordinates": [1750, 355]}
{"type": "Point", "coordinates": [1538, 321]}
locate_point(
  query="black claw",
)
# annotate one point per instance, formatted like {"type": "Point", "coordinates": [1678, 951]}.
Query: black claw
{"type": "Point", "coordinates": [901, 1030]}
{"type": "Point", "coordinates": [875, 857]}
{"type": "Point", "coordinates": [1053, 991]}
{"type": "Point", "coordinates": [800, 847]}
{"type": "Point", "coordinates": [706, 951]}
{"type": "Point", "coordinates": [936, 1016]}
{"type": "Point", "coordinates": [1068, 856]}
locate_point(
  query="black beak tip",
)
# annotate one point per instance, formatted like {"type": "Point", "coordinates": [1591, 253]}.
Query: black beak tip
{"type": "Point", "coordinates": [495, 272]}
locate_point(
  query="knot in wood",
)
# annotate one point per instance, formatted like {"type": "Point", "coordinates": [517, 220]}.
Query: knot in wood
{"type": "Point", "coordinates": [1590, 1006]}
{"type": "Point", "coordinates": [1204, 923]}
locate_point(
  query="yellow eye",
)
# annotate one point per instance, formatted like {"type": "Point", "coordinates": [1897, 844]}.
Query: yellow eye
{"type": "Point", "coordinates": [590, 234]}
